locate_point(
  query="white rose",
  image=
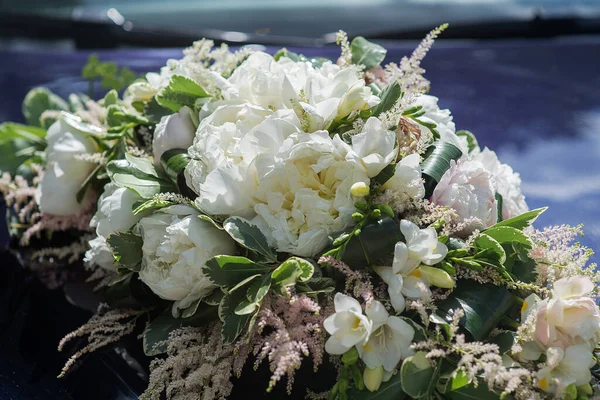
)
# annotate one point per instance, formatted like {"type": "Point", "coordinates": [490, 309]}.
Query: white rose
{"type": "Point", "coordinates": [177, 244]}
{"type": "Point", "coordinates": [508, 183]}
{"type": "Point", "coordinates": [64, 174]}
{"type": "Point", "coordinates": [443, 120]}
{"type": "Point", "coordinates": [175, 131]}
{"type": "Point", "coordinates": [114, 214]}
{"type": "Point", "coordinates": [469, 189]}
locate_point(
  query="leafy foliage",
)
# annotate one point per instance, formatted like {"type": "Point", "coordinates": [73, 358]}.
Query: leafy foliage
{"type": "Point", "coordinates": [366, 53]}
{"type": "Point", "coordinates": [139, 175]}
{"type": "Point", "coordinates": [437, 161]}
{"type": "Point", "coordinates": [109, 74]}
{"type": "Point", "coordinates": [39, 100]}
{"type": "Point", "coordinates": [182, 91]}
{"type": "Point", "coordinates": [127, 250]}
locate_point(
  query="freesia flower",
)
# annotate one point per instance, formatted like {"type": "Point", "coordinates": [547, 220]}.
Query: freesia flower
{"type": "Point", "coordinates": [405, 278]}
{"type": "Point", "coordinates": [508, 183]}
{"type": "Point", "coordinates": [64, 174]}
{"type": "Point", "coordinates": [565, 367]}
{"type": "Point", "coordinates": [389, 341]}
{"type": "Point", "coordinates": [176, 245]}
{"type": "Point", "coordinates": [114, 214]}
{"type": "Point", "coordinates": [373, 149]}
{"type": "Point", "coordinates": [469, 189]}
{"type": "Point", "coordinates": [348, 326]}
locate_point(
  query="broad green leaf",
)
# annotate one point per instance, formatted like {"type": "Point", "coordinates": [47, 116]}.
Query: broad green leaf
{"type": "Point", "coordinates": [249, 236]}
{"type": "Point", "coordinates": [486, 242]}
{"type": "Point", "coordinates": [245, 307]}
{"type": "Point", "coordinates": [522, 221]}
{"type": "Point", "coordinates": [366, 53]}
{"type": "Point", "coordinates": [157, 332]}
{"type": "Point", "coordinates": [292, 270]}
{"type": "Point", "coordinates": [519, 263]}
{"type": "Point", "coordinates": [130, 291]}
{"type": "Point", "coordinates": [39, 100]}
{"type": "Point", "coordinates": [119, 118]}
{"type": "Point", "coordinates": [13, 153]}
{"type": "Point", "coordinates": [150, 205]}
{"type": "Point", "coordinates": [174, 161]}
{"type": "Point", "coordinates": [437, 161]}
{"type": "Point", "coordinates": [233, 324]}
{"type": "Point", "coordinates": [470, 392]}
{"type": "Point", "coordinates": [507, 234]}
{"type": "Point", "coordinates": [499, 203]}
{"type": "Point", "coordinates": [154, 111]}
{"type": "Point", "coordinates": [112, 97]}
{"type": "Point", "coordinates": [416, 374]}
{"type": "Point", "coordinates": [390, 390]}
{"type": "Point", "coordinates": [389, 97]}
{"type": "Point", "coordinates": [12, 130]}
{"type": "Point", "coordinates": [315, 286]}
{"type": "Point", "coordinates": [471, 139]}
{"type": "Point", "coordinates": [127, 249]}
{"type": "Point", "coordinates": [182, 91]}
{"type": "Point", "coordinates": [139, 175]}
{"type": "Point", "coordinates": [228, 271]}
{"type": "Point", "coordinates": [375, 240]}
{"type": "Point", "coordinates": [484, 306]}
{"type": "Point", "coordinates": [244, 282]}
{"type": "Point", "coordinates": [504, 340]}
{"type": "Point", "coordinates": [458, 380]}
{"type": "Point", "coordinates": [259, 289]}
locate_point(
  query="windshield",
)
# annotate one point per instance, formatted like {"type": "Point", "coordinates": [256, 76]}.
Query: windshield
{"type": "Point", "coordinates": [317, 19]}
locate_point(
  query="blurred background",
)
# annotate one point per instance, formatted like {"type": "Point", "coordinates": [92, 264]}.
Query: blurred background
{"type": "Point", "coordinates": [523, 75]}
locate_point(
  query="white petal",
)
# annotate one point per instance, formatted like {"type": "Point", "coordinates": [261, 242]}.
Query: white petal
{"type": "Point", "coordinates": [343, 302]}
{"type": "Point", "coordinates": [409, 230]}
{"type": "Point", "coordinates": [415, 288]}
{"type": "Point", "coordinates": [333, 346]}
{"type": "Point", "coordinates": [400, 258]}
{"type": "Point", "coordinates": [377, 313]}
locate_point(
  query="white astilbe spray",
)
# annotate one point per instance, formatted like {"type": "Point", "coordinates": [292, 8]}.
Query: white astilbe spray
{"type": "Point", "coordinates": [286, 332]}
{"type": "Point", "coordinates": [557, 256]}
{"type": "Point", "coordinates": [107, 326]}
{"type": "Point", "coordinates": [410, 73]}
{"type": "Point", "coordinates": [198, 366]}
{"type": "Point", "coordinates": [481, 362]}
{"type": "Point", "coordinates": [341, 39]}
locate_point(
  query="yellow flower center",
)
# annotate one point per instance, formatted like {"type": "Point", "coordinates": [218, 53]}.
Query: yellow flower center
{"type": "Point", "coordinates": [356, 324]}
{"type": "Point", "coordinates": [524, 307]}
{"type": "Point", "coordinates": [543, 383]}
{"type": "Point", "coordinates": [416, 272]}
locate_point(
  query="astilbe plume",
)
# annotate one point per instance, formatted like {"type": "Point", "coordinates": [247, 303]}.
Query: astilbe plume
{"type": "Point", "coordinates": [19, 195]}
{"type": "Point", "coordinates": [107, 326]}
{"type": "Point", "coordinates": [198, 366]}
{"type": "Point", "coordinates": [410, 73]}
{"type": "Point", "coordinates": [287, 331]}
{"type": "Point", "coordinates": [479, 361]}
{"type": "Point", "coordinates": [557, 256]}
{"type": "Point", "coordinates": [357, 282]}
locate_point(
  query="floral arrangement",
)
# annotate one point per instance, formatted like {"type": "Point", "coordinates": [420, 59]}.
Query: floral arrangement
{"type": "Point", "coordinates": [239, 208]}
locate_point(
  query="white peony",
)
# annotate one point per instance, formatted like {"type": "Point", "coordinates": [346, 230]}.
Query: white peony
{"type": "Point", "coordinates": [64, 174]}
{"type": "Point", "coordinates": [114, 214]}
{"type": "Point", "coordinates": [176, 245]}
{"type": "Point", "coordinates": [348, 326]}
{"type": "Point", "coordinates": [407, 179]}
{"type": "Point", "coordinates": [389, 341]}
{"type": "Point", "coordinates": [175, 131]}
{"type": "Point", "coordinates": [508, 183]}
{"type": "Point", "coordinates": [469, 189]}
{"type": "Point", "coordinates": [443, 120]}
{"type": "Point", "coordinates": [405, 278]}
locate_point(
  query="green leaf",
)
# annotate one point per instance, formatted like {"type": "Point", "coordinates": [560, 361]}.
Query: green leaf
{"type": "Point", "coordinates": [292, 270]}
{"type": "Point", "coordinates": [470, 392]}
{"type": "Point", "coordinates": [499, 202]}
{"type": "Point", "coordinates": [112, 97]}
{"type": "Point", "coordinates": [249, 236]}
{"type": "Point", "coordinates": [14, 153]}
{"type": "Point", "coordinates": [316, 62]}
{"type": "Point", "coordinates": [471, 139]}
{"type": "Point", "coordinates": [129, 291]}
{"type": "Point", "coordinates": [315, 286]}
{"type": "Point", "coordinates": [416, 374]}
{"type": "Point", "coordinates": [12, 130]}
{"type": "Point", "coordinates": [390, 390]}
{"type": "Point", "coordinates": [437, 161]}
{"type": "Point", "coordinates": [376, 239]}
{"type": "Point", "coordinates": [182, 91]}
{"type": "Point", "coordinates": [504, 340]}
{"type": "Point", "coordinates": [127, 249]}
{"type": "Point", "coordinates": [496, 251]}
{"type": "Point", "coordinates": [389, 97]}
{"type": "Point", "coordinates": [259, 289]}
{"type": "Point", "coordinates": [139, 175]}
{"type": "Point", "coordinates": [245, 307]}
{"type": "Point", "coordinates": [174, 161]}
{"type": "Point", "coordinates": [157, 332]}
{"type": "Point", "coordinates": [457, 381]}
{"type": "Point", "coordinates": [154, 111]}
{"type": "Point", "coordinates": [507, 234]}
{"type": "Point", "coordinates": [150, 205]}
{"type": "Point", "coordinates": [39, 100]}
{"type": "Point", "coordinates": [228, 271]}
{"type": "Point", "coordinates": [233, 324]}
{"type": "Point", "coordinates": [522, 221]}
{"type": "Point", "coordinates": [483, 305]}
{"type": "Point", "coordinates": [386, 174]}
{"type": "Point", "coordinates": [244, 282]}
{"type": "Point", "coordinates": [366, 53]}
